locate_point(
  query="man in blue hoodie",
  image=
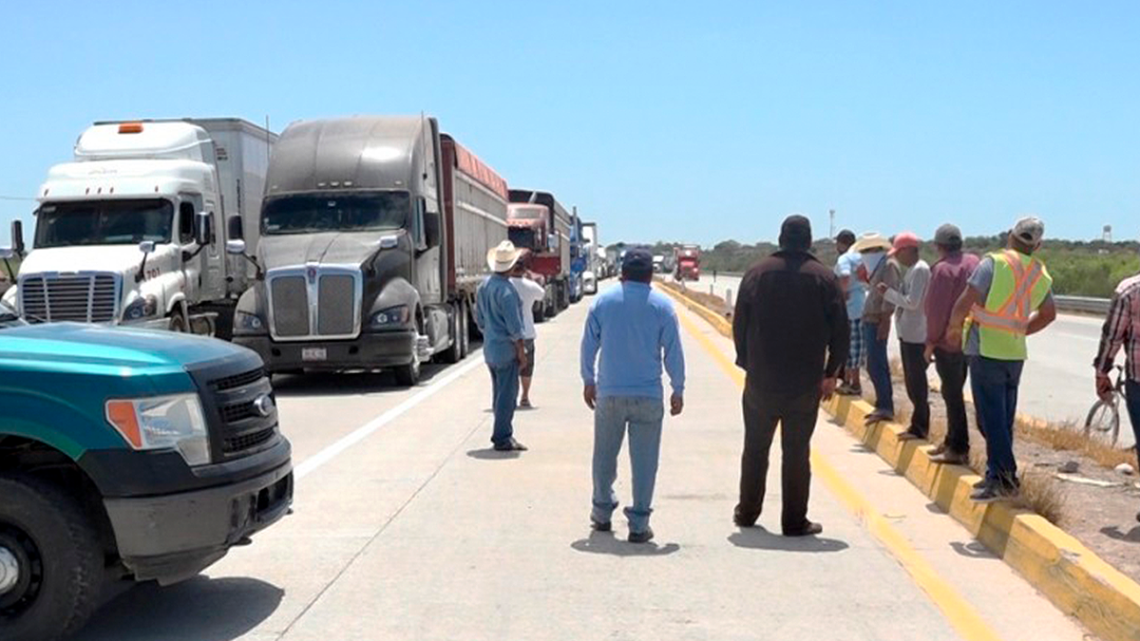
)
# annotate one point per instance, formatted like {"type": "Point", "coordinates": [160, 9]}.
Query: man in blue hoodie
{"type": "Point", "coordinates": [636, 329]}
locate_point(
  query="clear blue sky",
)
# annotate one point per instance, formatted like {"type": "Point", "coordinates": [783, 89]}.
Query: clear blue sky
{"type": "Point", "coordinates": [695, 121]}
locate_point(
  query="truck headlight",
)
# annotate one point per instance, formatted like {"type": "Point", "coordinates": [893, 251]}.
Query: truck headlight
{"type": "Point", "coordinates": [391, 317]}
{"type": "Point", "coordinates": [248, 322]}
{"type": "Point", "coordinates": [163, 422]}
{"type": "Point", "coordinates": [140, 308]}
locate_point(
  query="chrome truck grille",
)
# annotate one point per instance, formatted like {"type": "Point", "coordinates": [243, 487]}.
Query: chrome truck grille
{"type": "Point", "coordinates": [84, 297]}
{"type": "Point", "coordinates": [314, 302]}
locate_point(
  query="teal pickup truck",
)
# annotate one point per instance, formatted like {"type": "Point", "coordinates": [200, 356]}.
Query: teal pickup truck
{"type": "Point", "coordinates": [125, 454]}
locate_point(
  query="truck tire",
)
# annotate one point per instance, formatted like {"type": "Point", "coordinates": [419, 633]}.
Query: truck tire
{"type": "Point", "coordinates": [60, 561]}
{"type": "Point", "coordinates": [408, 375]}
{"type": "Point", "coordinates": [178, 323]}
{"type": "Point", "coordinates": [454, 354]}
{"type": "Point", "coordinates": [464, 329]}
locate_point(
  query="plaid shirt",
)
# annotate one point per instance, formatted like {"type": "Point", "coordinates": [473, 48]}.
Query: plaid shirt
{"type": "Point", "coordinates": [1122, 329]}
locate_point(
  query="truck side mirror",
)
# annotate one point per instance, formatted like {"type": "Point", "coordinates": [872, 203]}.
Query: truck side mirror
{"type": "Point", "coordinates": [235, 246]}
{"type": "Point", "coordinates": [204, 228]}
{"type": "Point", "coordinates": [552, 241]}
{"type": "Point", "coordinates": [18, 238]}
{"type": "Point", "coordinates": [147, 248]}
{"type": "Point", "coordinates": [234, 229]}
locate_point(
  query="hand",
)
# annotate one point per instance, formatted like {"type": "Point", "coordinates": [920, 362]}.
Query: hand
{"type": "Point", "coordinates": [885, 329]}
{"type": "Point", "coordinates": [676, 404]}
{"type": "Point", "coordinates": [882, 287]}
{"type": "Point", "coordinates": [827, 387]}
{"type": "Point", "coordinates": [1103, 386]}
{"type": "Point", "coordinates": [590, 395]}
{"type": "Point", "coordinates": [928, 354]}
{"type": "Point", "coordinates": [954, 335]}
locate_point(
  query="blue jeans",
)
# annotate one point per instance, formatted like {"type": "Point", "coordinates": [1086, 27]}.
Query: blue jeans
{"type": "Point", "coordinates": [505, 394]}
{"type": "Point", "coordinates": [1132, 394]}
{"type": "Point", "coordinates": [879, 368]}
{"type": "Point", "coordinates": [995, 384]}
{"type": "Point", "coordinates": [643, 416]}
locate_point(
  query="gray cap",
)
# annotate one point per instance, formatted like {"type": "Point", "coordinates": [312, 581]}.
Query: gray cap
{"type": "Point", "coordinates": [1029, 230]}
{"type": "Point", "coordinates": [948, 235]}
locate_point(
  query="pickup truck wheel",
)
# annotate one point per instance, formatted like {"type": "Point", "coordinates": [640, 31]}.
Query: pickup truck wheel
{"type": "Point", "coordinates": [51, 563]}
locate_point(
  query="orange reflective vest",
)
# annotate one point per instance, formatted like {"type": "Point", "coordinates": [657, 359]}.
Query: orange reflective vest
{"type": "Point", "coordinates": [1020, 285]}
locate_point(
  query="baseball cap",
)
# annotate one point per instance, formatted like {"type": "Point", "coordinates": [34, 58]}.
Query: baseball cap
{"type": "Point", "coordinates": [637, 261]}
{"type": "Point", "coordinates": [903, 240]}
{"type": "Point", "coordinates": [1029, 230]}
{"type": "Point", "coordinates": [948, 235]}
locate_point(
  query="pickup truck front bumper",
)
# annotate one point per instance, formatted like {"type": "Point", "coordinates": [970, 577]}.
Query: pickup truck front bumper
{"type": "Point", "coordinates": [367, 351]}
{"type": "Point", "coordinates": [173, 537]}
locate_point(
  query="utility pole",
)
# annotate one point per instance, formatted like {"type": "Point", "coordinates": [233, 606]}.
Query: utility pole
{"type": "Point", "coordinates": [831, 214]}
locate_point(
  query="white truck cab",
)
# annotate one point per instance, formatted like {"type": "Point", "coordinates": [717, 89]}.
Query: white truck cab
{"type": "Point", "coordinates": [132, 231]}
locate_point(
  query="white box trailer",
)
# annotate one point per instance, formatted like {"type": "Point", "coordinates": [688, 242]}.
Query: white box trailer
{"type": "Point", "coordinates": [139, 220]}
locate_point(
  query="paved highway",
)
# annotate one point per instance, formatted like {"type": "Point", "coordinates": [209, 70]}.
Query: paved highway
{"type": "Point", "coordinates": [1057, 383]}
{"type": "Point", "coordinates": [407, 527]}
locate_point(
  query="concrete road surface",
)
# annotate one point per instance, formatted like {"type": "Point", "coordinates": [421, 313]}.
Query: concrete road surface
{"type": "Point", "coordinates": [1057, 383]}
{"type": "Point", "coordinates": [408, 527]}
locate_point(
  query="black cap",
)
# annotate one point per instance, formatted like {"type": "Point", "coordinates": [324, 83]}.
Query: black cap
{"type": "Point", "coordinates": [795, 233]}
{"type": "Point", "coordinates": [637, 262]}
{"type": "Point", "coordinates": [847, 237]}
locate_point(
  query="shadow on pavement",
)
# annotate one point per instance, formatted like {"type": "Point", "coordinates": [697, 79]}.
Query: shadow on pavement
{"type": "Point", "coordinates": [758, 538]}
{"type": "Point", "coordinates": [491, 454]}
{"type": "Point", "coordinates": [345, 383]}
{"type": "Point", "coordinates": [607, 543]}
{"type": "Point", "coordinates": [1114, 532]}
{"type": "Point", "coordinates": [972, 550]}
{"type": "Point", "coordinates": [202, 609]}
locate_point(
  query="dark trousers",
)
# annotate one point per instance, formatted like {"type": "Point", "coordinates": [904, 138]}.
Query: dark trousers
{"type": "Point", "coordinates": [879, 368]}
{"type": "Point", "coordinates": [797, 415]}
{"type": "Point", "coordinates": [917, 386]}
{"type": "Point", "coordinates": [951, 368]}
{"type": "Point", "coordinates": [995, 384]}
{"type": "Point", "coordinates": [1132, 398]}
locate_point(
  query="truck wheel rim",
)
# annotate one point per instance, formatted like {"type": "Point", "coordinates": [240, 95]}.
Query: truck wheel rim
{"type": "Point", "coordinates": [21, 574]}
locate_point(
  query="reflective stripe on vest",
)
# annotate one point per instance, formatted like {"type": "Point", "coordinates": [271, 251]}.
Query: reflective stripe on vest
{"type": "Point", "coordinates": [1003, 319]}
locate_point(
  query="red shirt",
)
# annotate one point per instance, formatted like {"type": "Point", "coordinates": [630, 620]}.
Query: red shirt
{"type": "Point", "coordinates": [948, 279]}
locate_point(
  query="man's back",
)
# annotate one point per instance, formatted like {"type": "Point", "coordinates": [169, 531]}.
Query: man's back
{"type": "Point", "coordinates": [635, 327]}
{"type": "Point", "coordinates": [790, 312]}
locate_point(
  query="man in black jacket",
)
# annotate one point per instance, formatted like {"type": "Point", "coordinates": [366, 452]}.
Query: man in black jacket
{"type": "Point", "coordinates": [792, 335]}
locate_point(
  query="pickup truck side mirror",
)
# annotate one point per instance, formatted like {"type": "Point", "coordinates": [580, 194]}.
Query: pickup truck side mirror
{"type": "Point", "coordinates": [17, 238]}
{"type": "Point", "coordinates": [204, 228]}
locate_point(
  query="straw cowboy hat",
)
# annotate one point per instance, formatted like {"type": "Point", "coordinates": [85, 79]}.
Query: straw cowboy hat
{"type": "Point", "coordinates": [871, 240]}
{"type": "Point", "coordinates": [503, 258]}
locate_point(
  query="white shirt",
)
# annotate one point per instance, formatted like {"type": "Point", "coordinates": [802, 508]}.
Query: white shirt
{"type": "Point", "coordinates": [530, 292]}
{"type": "Point", "coordinates": [910, 303]}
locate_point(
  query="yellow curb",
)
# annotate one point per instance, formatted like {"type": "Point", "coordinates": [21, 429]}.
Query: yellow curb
{"type": "Point", "coordinates": [713, 318]}
{"type": "Point", "coordinates": [1076, 580]}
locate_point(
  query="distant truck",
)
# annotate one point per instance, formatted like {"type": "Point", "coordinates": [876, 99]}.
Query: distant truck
{"type": "Point", "coordinates": [125, 454]}
{"type": "Point", "coordinates": [132, 231]}
{"type": "Point", "coordinates": [540, 223]}
{"type": "Point", "coordinates": [688, 262]}
{"type": "Point", "coordinates": [595, 262]}
{"type": "Point", "coordinates": [374, 237]}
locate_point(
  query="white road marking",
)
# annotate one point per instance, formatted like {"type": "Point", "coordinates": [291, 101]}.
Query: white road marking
{"type": "Point", "coordinates": [359, 434]}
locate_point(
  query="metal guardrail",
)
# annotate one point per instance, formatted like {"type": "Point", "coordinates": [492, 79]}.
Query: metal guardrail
{"type": "Point", "coordinates": [1085, 304]}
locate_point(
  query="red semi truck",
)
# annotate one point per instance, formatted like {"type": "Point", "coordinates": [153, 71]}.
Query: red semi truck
{"type": "Point", "coordinates": [687, 259]}
{"type": "Point", "coordinates": [538, 222]}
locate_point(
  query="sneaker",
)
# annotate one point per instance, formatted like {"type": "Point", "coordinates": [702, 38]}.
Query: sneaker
{"type": "Point", "coordinates": [947, 457]}
{"type": "Point", "coordinates": [980, 484]}
{"type": "Point", "coordinates": [993, 492]}
{"type": "Point", "coordinates": [807, 529]}
{"type": "Point", "coordinates": [644, 536]}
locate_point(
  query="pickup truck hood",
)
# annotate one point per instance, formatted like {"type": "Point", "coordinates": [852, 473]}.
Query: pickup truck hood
{"type": "Point", "coordinates": [329, 248]}
{"type": "Point", "coordinates": [120, 259]}
{"type": "Point", "coordinates": [76, 347]}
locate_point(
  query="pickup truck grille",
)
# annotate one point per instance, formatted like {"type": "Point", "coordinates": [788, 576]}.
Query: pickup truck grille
{"type": "Point", "coordinates": [315, 302]}
{"type": "Point", "coordinates": [86, 297]}
{"type": "Point", "coordinates": [242, 428]}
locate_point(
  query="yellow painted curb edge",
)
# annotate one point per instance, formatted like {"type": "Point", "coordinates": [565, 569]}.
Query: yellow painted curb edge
{"type": "Point", "coordinates": [1076, 580]}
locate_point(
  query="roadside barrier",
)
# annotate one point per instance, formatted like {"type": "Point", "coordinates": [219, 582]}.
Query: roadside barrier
{"type": "Point", "coordinates": [1075, 580]}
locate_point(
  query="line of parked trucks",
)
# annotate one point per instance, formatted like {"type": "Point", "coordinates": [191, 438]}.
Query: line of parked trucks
{"type": "Point", "coordinates": [342, 244]}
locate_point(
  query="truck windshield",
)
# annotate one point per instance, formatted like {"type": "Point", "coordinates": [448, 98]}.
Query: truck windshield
{"type": "Point", "coordinates": [104, 222]}
{"type": "Point", "coordinates": [527, 213]}
{"type": "Point", "coordinates": [335, 211]}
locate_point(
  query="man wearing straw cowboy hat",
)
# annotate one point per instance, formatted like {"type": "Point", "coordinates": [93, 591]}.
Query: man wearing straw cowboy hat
{"type": "Point", "coordinates": [877, 313]}
{"type": "Point", "coordinates": [499, 314]}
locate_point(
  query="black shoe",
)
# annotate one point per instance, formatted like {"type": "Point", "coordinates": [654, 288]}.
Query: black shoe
{"type": "Point", "coordinates": [744, 520]}
{"type": "Point", "coordinates": [980, 484]}
{"type": "Point", "coordinates": [641, 537]}
{"type": "Point", "coordinates": [807, 529]}
{"type": "Point", "coordinates": [993, 492]}
{"type": "Point", "coordinates": [511, 446]}
{"type": "Point", "coordinates": [599, 526]}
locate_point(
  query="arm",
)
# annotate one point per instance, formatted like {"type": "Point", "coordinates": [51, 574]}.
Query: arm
{"type": "Point", "coordinates": [914, 299]}
{"type": "Point", "coordinates": [1113, 334]}
{"type": "Point", "coordinates": [1043, 317]}
{"type": "Point", "coordinates": [511, 305]}
{"type": "Point", "coordinates": [588, 355]}
{"type": "Point", "coordinates": [966, 302]}
{"type": "Point", "coordinates": [674, 359]}
{"type": "Point", "coordinates": [740, 322]}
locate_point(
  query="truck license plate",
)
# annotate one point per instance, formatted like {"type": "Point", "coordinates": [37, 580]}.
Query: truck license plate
{"type": "Point", "coordinates": [314, 354]}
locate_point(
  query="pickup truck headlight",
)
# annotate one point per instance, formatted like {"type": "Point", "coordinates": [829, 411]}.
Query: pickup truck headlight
{"type": "Point", "coordinates": [391, 317]}
{"type": "Point", "coordinates": [163, 422]}
{"type": "Point", "coordinates": [245, 321]}
{"type": "Point", "coordinates": [140, 308]}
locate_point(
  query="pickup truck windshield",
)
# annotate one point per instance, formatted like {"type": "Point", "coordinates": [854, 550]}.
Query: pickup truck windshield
{"type": "Point", "coordinates": [104, 222]}
{"type": "Point", "coordinates": [335, 211]}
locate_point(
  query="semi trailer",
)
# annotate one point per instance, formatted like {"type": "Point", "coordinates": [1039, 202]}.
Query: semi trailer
{"type": "Point", "coordinates": [132, 231]}
{"type": "Point", "coordinates": [539, 223]}
{"type": "Point", "coordinates": [374, 235]}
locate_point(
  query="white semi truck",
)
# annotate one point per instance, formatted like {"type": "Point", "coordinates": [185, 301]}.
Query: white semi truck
{"type": "Point", "coordinates": [133, 230]}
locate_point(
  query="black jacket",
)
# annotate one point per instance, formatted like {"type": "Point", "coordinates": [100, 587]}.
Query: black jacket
{"type": "Point", "coordinates": [790, 317]}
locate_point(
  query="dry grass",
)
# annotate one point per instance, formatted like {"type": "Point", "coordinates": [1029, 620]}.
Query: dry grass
{"type": "Point", "coordinates": [1041, 493]}
{"type": "Point", "coordinates": [1068, 437]}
